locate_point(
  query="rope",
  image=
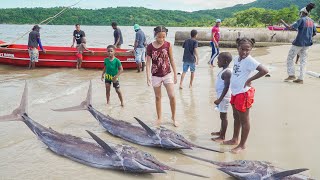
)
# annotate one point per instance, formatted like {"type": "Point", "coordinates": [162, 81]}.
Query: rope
{"type": "Point", "coordinates": [49, 19]}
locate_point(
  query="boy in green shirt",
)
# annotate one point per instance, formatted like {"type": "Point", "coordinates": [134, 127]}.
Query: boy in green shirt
{"type": "Point", "coordinates": [111, 72]}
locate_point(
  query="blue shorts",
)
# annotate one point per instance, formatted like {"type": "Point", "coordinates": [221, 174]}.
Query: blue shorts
{"type": "Point", "coordinates": [187, 65]}
{"type": "Point", "coordinates": [140, 54]}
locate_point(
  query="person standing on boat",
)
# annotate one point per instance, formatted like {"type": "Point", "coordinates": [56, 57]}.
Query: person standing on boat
{"type": "Point", "coordinates": [33, 42]}
{"type": "Point", "coordinates": [306, 30]}
{"type": "Point", "coordinates": [139, 47]}
{"type": "Point", "coordinates": [78, 34]}
{"type": "Point", "coordinates": [215, 37]}
{"type": "Point", "coordinates": [118, 40]}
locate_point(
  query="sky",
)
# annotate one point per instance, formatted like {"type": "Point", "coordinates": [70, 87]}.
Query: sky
{"type": "Point", "coordinates": [184, 5]}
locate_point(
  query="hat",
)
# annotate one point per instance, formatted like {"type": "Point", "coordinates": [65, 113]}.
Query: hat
{"type": "Point", "coordinates": [136, 27]}
{"type": "Point", "coordinates": [218, 20]}
{"type": "Point", "coordinates": [304, 10]}
{"type": "Point", "coordinates": [36, 27]}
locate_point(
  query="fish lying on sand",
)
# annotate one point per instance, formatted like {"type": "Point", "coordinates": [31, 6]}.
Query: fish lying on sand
{"type": "Point", "coordinates": [142, 135]}
{"type": "Point", "coordinates": [102, 155]}
{"type": "Point", "coordinates": [255, 170]}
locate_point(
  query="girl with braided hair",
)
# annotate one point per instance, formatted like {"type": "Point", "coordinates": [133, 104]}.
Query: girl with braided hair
{"type": "Point", "coordinates": [242, 93]}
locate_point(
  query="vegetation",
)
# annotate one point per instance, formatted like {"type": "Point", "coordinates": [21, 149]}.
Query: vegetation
{"type": "Point", "coordinates": [255, 14]}
{"type": "Point", "coordinates": [259, 17]}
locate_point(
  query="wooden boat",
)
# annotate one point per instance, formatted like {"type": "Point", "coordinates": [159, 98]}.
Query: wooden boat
{"type": "Point", "coordinates": [277, 28]}
{"type": "Point", "coordinates": [58, 56]}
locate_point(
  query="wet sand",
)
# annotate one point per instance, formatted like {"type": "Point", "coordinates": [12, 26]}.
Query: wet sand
{"type": "Point", "coordinates": [284, 122]}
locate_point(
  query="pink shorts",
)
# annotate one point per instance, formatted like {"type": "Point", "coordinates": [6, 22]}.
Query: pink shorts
{"type": "Point", "coordinates": [157, 81]}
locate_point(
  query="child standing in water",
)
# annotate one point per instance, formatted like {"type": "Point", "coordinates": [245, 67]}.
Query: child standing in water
{"type": "Point", "coordinates": [242, 92]}
{"type": "Point", "coordinates": [190, 56]}
{"type": "Point", "coordinates": [111, 72]}
{"type": "Point", "coordinates": [223, 93]}
{"type": "Point", "coordinates": [160, 58]}
{"type": "Point", "coordinates": [80, 50]}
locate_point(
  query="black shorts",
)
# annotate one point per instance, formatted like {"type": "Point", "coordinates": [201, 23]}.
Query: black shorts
{"type": "Point", "coordinates": [115, 84]}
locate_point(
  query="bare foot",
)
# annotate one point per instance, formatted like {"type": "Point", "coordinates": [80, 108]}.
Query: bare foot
{"type": "Point", "coordinates": [108, 102]}
{"type": "Point", "coordinates": [215, 133]}
{"type": "Point", "coordinates": [237, 149]}
{"type": "Point", "coordinates": [175, 123]}
{"type": "Point", "coordinates": [218, 139]}
{"type": "Point", "coordinates": [122, 105]}
{"type": "Point", "coordinates": [231, 142]}
{"type": "Point", "coordinates": [190, 86]}
{"type": "Point", "coordinates": [158, 122]}
{"type": "Point", "coordinates": [180, 87]}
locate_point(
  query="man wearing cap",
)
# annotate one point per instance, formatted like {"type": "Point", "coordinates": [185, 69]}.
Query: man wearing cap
{"type": "Point", "coordinates": [306, 30]}
{"type": "Point", "coordinates": [215, 37]}
{"type": "Point", "coordinates": [33, 42]}
{"type": "Point", "coordinates": [118, 40]}
{"type": "Point", "coordinates": [139, 47]}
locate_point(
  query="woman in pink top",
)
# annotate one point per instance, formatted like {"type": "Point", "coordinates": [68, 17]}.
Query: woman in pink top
{"type": "Point", "coordinates": [160, 58]}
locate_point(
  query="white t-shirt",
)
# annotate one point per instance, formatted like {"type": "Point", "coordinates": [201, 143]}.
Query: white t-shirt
{"type": "Point", "coordinates": [220, 84]}
{"type": "Point", "coordinates": [241, 73]}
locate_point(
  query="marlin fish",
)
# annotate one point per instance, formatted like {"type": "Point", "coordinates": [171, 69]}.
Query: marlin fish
{"type": "Point", "coordinates": [255, 170]}
{"type": "Point", "coordinates": [142, 135]}
{"type": "Point", "coordinates": [100, 154]}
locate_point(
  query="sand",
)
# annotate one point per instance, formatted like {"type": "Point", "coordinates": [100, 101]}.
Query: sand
{"type": "Point", "coordinates": [284, 118]}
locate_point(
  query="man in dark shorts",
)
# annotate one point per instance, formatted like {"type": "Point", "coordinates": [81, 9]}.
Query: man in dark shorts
{"type": "Point", "coordinates": [118, 40]}
{"type": "Point", "coordinates": [78, 34]}
{"type": "Point", "coordinates": [111, 72]}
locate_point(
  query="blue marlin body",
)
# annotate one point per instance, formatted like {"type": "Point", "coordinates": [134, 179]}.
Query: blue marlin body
{"type": "Point", "coordinates": [139, 134]}
{"type": "Point", "coordinates": [255, 170]}
{"type": "Point", "coordinates": [97, 154]}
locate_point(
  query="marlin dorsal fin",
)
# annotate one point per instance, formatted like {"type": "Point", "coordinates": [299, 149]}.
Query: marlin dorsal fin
{"type": "Point", "coordinates": [105, 146]}
{"type": "Point", "coordinates": [282, 174]}
{"type": "Point", "coordinates": [147, 128]}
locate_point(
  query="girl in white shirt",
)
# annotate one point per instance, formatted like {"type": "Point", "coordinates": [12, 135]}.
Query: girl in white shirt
{"type": "Point", "coordinates": [242, 96]}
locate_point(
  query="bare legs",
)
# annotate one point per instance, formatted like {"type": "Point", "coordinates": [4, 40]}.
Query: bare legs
{"type": "Point", "coordinates": [223, 129]}
{"type": "Point", "coordinates": [241, 120]}
{"type": "Point", "coordinates": [191, 79]}
{"type": "Point", "coordinates": [170, 91]}
{"type": "Point", "coordinates": [108, 87]}
{"type": "Point", "coordinates": [108, 92]}
{"type": "Point", "coordinates": [139, 66]}
{"type": "Point", "coordinates": [157, 93]}
{"type": "Point", "coordinates": [32, 65]}
{"type": "Point", "coordinates": [79, 63]}
{"type": "Point", "coordinates": [181, 80]}
{"type": "Point", "coordinates": [120, 96]}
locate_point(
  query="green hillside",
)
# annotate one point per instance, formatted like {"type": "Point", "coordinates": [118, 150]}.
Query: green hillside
{"type": "Point", "coordinates": [146, 17]}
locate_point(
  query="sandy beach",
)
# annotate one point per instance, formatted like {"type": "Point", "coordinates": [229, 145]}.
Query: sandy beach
{"type": "Point", "coordinates": [284, 122]}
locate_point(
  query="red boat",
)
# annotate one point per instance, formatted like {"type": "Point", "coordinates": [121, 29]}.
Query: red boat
{"type": "Point", "coordinates": [277, 28]}
{"type": "Point", "coordinates": [57, 56]}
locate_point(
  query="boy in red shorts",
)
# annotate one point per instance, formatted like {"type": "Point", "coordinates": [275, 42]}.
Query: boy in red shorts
{"type": "Point", "coordinates": [80, 50]}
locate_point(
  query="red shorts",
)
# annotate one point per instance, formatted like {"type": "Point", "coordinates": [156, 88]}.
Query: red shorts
{"type": "Point", "coordinates": [79, 55]}
{"type": "Point", "coordinates": [243, 101]}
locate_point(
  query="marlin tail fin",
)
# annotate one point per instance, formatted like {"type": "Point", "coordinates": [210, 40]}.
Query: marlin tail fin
{"type": "Point", "coordinates": [83, 106]}
{"type": "Point", "coordinates": [22, 109]}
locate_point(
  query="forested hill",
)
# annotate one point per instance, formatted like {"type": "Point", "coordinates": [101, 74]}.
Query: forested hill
{"type": "Point", "coordinates": [129, 15]}
{"type": "Point", "coordinates": [266, 4]}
